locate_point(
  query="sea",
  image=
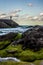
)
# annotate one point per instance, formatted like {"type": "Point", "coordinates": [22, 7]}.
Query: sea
{"type": "Point", "coordinates": [19, 29]}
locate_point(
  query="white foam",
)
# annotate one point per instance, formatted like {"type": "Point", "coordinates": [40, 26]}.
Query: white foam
{"type": "Point", "coordinates": [9, 58]}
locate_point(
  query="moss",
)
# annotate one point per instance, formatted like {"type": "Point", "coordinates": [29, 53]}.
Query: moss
{"type": "Point", "coordinates": [15, 48]}
{"type": "Point", "coordinates": [24, 55]}
{"type": "Point", "coordinates": [27, 55]}
{"type": "Point", "coordinates": [3, 53]}
{"type": "Point", "coordinates": [4, 44]}
{"type": "Point", "coordinates": [37, 62]}
{"type": "Point", "coordinates": [18, 36]}
{"type": "Point", "coordinates": [14, 63]}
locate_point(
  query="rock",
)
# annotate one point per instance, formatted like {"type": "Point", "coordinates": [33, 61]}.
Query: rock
{"type": "Point", "coordinates": [32, 64]}
{"type": "Point", "coordinates": [10, 36]}
{"type": "Point", "coordinates": [7, 23]}
{"type": "Point", "coordinates": [32, 38]}
{"type": "Point", "coordinates": [20, 41]}
{"type": "Point", "coordinates": [41, 63]}
{"type": "Point", "coordinates": [11, 51]}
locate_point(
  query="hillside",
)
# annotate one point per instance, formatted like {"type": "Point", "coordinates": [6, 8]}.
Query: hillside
{"type": "Point", "coordinates": [7, 23]}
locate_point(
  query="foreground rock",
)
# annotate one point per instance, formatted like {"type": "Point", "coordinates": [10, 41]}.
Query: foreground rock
{"type": "Point", "coordinates": [7, 23]}
{"type": "Point", "coordinates": [6, 40]}
{"type": "Point", "coordinates": [10, 36]}
{"type": "Point", "coordinates": [32, 39]}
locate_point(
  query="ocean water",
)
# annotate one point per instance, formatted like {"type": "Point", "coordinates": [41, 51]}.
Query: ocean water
{"type": "Point", "coordinates": [19, 29]}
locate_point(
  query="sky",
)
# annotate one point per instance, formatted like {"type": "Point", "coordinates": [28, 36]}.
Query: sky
{"type": "Point", "coordinates": [23, 8]}
{"type": "Point", "coordinates": [9, 5]}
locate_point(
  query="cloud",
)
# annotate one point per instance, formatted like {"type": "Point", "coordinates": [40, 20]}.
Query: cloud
{"type": "Point", "coordinates": [1, 12]}
{"type": "Point", "coordinates": [30, 4]}
{"type": "Point", "coordinates": [14, 12]}
{"type": "Point", "coordinates": [30, 17]}
{"type": "Point", "coordinates": [26, 19]}
{"type": "Point", "coordinates": [40, 18]}
{"type": "Point", "coordinates": [25, 16]}
{"type": "Point", "coordinates": [35, 18]}
{"type": "Point", "coordinates": [2, 15]}
{"type": "Point", "coordinates": [41, 14]}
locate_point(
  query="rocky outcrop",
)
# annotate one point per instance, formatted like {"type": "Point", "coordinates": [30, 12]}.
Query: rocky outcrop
{"type": "Point", "coordinates": [7, 23]}
{"type": "Point", "coordinates": [32, 38]}
{"type": "Point", "coordinates": [6, 40]}
{"type": "Point", "coordinates": [10, 36]}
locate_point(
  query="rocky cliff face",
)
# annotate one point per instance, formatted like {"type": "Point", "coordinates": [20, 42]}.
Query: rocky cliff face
{"type": "Point", "coordinates": [7, 23]}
